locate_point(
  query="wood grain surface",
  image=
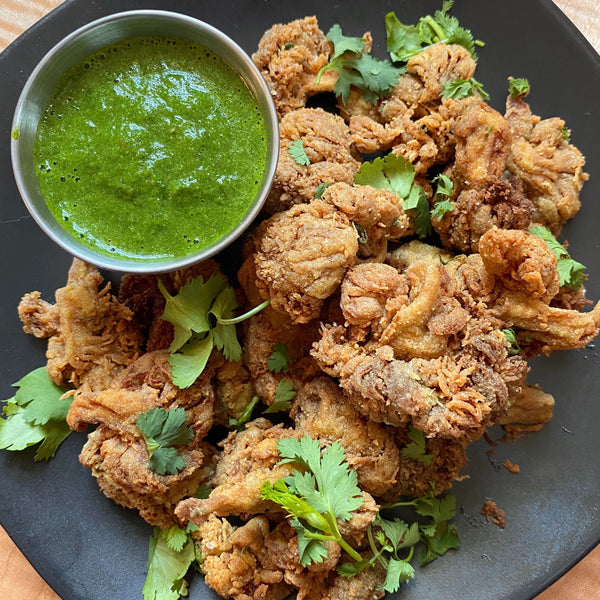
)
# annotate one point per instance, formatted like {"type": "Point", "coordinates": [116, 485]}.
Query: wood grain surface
{"type": "Point", "coordinates": [18, 579]}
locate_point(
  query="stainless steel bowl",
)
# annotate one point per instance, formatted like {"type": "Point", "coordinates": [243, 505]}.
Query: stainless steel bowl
{"type": "Point", "coordinates": [39, 91]}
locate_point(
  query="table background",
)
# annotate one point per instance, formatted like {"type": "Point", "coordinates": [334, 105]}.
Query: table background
{"type": "Point", "coordinates": [19, 581]}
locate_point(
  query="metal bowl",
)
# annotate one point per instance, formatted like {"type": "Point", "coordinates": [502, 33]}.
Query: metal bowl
{"type": "Point", "coordinates": [39, 91]}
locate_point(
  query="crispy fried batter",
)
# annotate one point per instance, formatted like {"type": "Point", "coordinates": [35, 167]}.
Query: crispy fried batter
{"type": "Point", "coordinates": [322, 412]}
{"type": "Point", "coordinates": [522, 261]}
{"type": "Point", "coordinates": [550, 167]}
{"type": "Point", "coordinates": [92, 337]}
{"type": "Point", "coordinates": [327, 144]}
{"type": "Point", "coordinates": [301, 257]}
{"type": "Point", "coordinates": [249, 459]}
{"type": "Point", "coordinates": [116, 451]}
{"type": "Point", "coordinates": [236, 563]}
{"type": "Point", "coordinates": [289, 57]}
{"type": "Point", "coordinates": [502, 204]}
{"type": "Point", "coordinates": [377, 214]}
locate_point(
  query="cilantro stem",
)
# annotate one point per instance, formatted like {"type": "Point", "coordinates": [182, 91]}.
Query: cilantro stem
{"type": "Point", "coordinates": [246, 315]}
{"type": "Point", "coordinates": [334, 536]}
{"type": "Point", "coordinates": [439, 32]}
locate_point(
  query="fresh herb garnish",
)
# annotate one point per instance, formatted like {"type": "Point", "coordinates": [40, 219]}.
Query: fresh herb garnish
{"type": "Point", "coordinates": [463, 88]}
{"type": "Point", "coordinates": [279, 360]}
{"type": "Point", "coordinates": [396, 174]}
{"type": "Point", "coordinates": [405, 41]}
{"type": "Point", "coordinates": [442, 202]}
{"type": "Point", "coordinates": [321, 190]}
{"type": "Point", "coordinates": [162, 430]}
{"type": "Point", "coordinates": [325, 491]}
{"type": "Point", "coordinates": [36, 414]}
{"type": "Point", "coordinates": [297, 152]}
{"type": "Point", "coordinates": [518, 87]}
{"type": "Point", "coordinates": [416, 448]}
{"type": "Point", "coordinates": [571, 272]}
{"type": "Point", "coordinates": [202, 316]}
{"type": "Point", "coordinates": [283, 396]}
{"type": "Point", "coordinates": [244, 418]}
{"type": "Point", "coordinates": [373, 77]}
{"type": "Point", "coordinates": [511, 338]}
{"type": "Point", "coordinates": [170, 556]}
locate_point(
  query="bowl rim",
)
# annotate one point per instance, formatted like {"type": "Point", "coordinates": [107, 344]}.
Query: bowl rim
{"type": "Point", "coordinates": [266, 107]}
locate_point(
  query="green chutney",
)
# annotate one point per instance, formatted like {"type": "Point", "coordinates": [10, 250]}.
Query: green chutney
{"type": "Point", "coordinates": [152, 148]}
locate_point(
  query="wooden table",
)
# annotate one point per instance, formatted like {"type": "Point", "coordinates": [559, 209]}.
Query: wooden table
{"type": "Point", "coordinates": [19, 581]}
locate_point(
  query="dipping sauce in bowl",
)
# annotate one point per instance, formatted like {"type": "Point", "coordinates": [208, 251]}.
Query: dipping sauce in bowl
{"type": "Point", "coordinates": [140, 152]}
{"type": "Point", "coordinates": [147, 153]}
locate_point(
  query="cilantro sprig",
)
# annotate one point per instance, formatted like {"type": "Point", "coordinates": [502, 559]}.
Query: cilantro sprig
{"type": "Point", "coordinates": [202, 314]}
{"type": "Point", "coordinates": [463, 88]}
{"type": "Point", "coordinates": [373, 77]}
{"type": "Point", "coordinates": [170, 555]}
{"type": "Point", "coordinates": [439, 534]}
{"type": "Point", "coordinates": [393, 172]}
{"type": "Point", "coordinates": [162, 430]}
{"type": "Point", "coordinates": [571, 273]}
{"type": "Point", "coordinates": [442, 202]}
{"type": "Point", "coordinates": [518, 87]}
{"type": "Point", "coordinates": [283, 397]}
{"type": "Point", "coordinates": [279, 359]}
{"type": "Point", "coordinates": [511, 338]}
{"type": "Point", "coordinates": [405, 41]}
{"type": "Point", "coordinates": [324, 491]}
{"type": "Point", "coordinates": [416, 448]}
{"type": "Point", "coordinates": [297, 152]}
{"type": "Point", "coordinates": [36, 414]}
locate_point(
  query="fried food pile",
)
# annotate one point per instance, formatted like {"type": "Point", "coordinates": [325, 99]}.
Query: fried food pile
{"type": "Point", "coordinates": [386, 333]}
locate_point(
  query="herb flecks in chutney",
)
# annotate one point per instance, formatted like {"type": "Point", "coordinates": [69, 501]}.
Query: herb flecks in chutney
{"type": "Point", "coordinates": [151, 148]}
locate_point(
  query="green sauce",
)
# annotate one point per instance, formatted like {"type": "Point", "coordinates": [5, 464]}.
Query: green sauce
{"type": "Point", "coordinates": [152, 148]}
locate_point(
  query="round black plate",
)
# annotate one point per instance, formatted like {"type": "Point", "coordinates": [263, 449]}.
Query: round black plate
{"type": "Point", "coordinates": [87, 548]}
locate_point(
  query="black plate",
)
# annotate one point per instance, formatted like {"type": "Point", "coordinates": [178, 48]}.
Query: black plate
{"type": "Point", "coordinates": [87, 548]}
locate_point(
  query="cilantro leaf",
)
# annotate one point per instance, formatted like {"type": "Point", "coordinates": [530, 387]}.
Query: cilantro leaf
{"type": "Point", "coordinates": [162, 429]}
{"type": "Point", "coordinates": [342, 43]}
{"type": "Point", "coordinates": [188, 310]}
{"type": "Point", "coordinates": [176, 538]}
{"type": "Point", "coordinates": [224, 335]}
{"type": "Point", "coordinates": [297, 152]}
{"type": "Point", "coordinates": [511, 338]}
{"type": "Point", "coordinates": [442, 207]}
{"type": "Point", "coordinates": [393, 172]}
{"type": "Point", "coordinates": [321, 190]}
{"type": "Point", "coordinates": [373, 77]}
{"type": "Point", "coordinates": [37, 413]}
{"type": "Point", "coordinates": [416, 448]}
{"type": "Point", "coordinates": [398, 571]}
{"type": "Point", "coordinates": [518, 87]}
{"type": "Point", "coordinates": [42, 397]}
{"type": "Point", "coordinates": [279, 360]}
{"type": "Point", "coordinates": [405, 41]}
{"type": "Point", "coordinates": [417, 202]}
{"type": "Point", "coordinates": [167, 566]}
{"type": "Point", "coordinates": [311, 550]}
{"type": "Point", "coordinates": [188, 364]}
{"type": "Point", "coordinates": [571, 273]}
{"type": "Point", "coordinates": [463, 88]}
{"type": "Point", "coordinates": [442, 202]}
{"type": "Point", "coordinates": [283, 396]}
